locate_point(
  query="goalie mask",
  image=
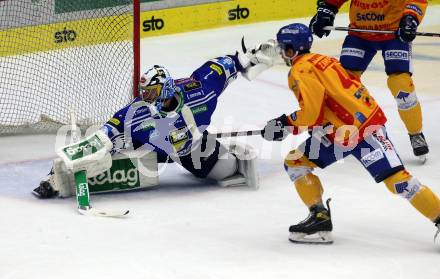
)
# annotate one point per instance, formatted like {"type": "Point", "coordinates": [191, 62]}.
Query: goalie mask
{"type": "Point", "coordinates": [156, 86]}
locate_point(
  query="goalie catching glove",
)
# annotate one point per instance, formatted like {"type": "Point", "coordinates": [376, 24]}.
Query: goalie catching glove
{"type": "Point", "coordinates": [255, 61]}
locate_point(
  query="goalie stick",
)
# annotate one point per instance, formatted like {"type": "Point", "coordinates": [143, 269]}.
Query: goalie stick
{"type": "Point", "coordinates": [82, 187]}
{"type": "Point", "coordinates": [336, 28]}
{"type": "Point", "coordinates": [83, 199]}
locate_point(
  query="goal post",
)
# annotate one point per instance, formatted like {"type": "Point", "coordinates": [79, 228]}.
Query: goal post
{"type": "Point", "coordinates": [59, 55]}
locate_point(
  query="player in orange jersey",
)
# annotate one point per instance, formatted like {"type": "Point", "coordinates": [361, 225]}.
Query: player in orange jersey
{"type": "Point", "coordinates": [358, 50]}
{"type": "Point", "coordinates": [343, 119]}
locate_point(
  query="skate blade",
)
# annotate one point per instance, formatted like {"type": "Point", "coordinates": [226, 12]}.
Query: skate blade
{"type": "Point", "coordinates": [422, 159]}
{"type": "Point", "coordinates": [38, 195]}
{"type": "Point", "coordinates": [316, 238]}
{"type": "Point", "coordinates": [436, 236]}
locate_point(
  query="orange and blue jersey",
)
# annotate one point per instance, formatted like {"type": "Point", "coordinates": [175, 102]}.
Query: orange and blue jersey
{"type": "Point", "coordinates": [380, 15]}
{"type": "Point", "coordinates": [328, 95]}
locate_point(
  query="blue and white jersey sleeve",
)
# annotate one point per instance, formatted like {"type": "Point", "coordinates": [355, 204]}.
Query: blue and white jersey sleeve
{"type": "Point", "coordinates": [216, 74]}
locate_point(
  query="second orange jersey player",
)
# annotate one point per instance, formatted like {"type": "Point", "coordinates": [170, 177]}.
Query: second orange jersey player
{"type": "Point", "coordinates": [401, 16]}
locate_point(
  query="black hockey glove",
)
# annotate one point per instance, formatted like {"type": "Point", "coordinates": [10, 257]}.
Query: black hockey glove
{"type": "Point", "coordinates": [275, 129]}
{"type": "Point", "coordinates": [407, 28]}
{"type": "Point", "coordinates": [325, 16]}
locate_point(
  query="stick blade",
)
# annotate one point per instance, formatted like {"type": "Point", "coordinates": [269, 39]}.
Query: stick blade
{"type": "Point", "coordinates": [103, 213]}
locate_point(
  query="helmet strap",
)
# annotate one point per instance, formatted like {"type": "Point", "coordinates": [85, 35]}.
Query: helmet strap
{"type": "Point", "coordinates": [288, 59]}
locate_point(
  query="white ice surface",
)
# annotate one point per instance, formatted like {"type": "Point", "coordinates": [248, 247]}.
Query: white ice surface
{"type": "Point", "coordinates": [191, 228]}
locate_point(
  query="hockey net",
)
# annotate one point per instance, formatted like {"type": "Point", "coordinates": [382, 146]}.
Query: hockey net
{"type": "Point", "coordinates": [62, 55]}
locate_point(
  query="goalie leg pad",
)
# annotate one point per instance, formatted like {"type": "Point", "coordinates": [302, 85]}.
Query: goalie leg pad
{"type": "Point", "coordinates": [224, 168]}
{"type": "Point", "coordinates": [63, 179]}
{"type": "Point", "coordinates": [246, 173]}
{"type": "Point", "coordinates": [140, 173]}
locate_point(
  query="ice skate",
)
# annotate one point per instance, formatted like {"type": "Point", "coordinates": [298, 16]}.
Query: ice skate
{"type": "Point", "coordinates": [419, 145]}
{"type": "Point", "coordinates": [46, 189]}
{"type": "Point", "coordinates": [436, 235]}
{"type": "Point", "coordinates": [315, 229]}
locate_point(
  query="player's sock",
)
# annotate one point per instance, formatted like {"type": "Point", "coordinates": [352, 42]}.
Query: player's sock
{"type": "Point", "coordinates": [316, 228]}
{"type": "Point", "coordinates": [427, 203]}
{"type": "Point", "coordinates": [402, 87]}
{"type": "Point", "coordinates": [420, 196]}
{"type": "Point", "coordinates": [309, 189]}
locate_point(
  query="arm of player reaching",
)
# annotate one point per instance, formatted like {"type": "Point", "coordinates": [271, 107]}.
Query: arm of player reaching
{"type": "Point", "coordinates": [216, 74]}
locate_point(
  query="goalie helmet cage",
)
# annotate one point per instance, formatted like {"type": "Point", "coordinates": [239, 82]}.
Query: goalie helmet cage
{"type": "Point", "coordinates": [59, 55]}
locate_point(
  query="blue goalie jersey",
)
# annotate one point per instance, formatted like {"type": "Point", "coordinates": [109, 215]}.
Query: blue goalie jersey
{"type": "Point", "coordinates": [139, 125]}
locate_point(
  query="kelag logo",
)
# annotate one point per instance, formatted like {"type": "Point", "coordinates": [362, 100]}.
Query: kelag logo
{"type": "Point", "coordinates": [238, 13]}
{"type": "Point", "coordinates": [153, 24]}
{"type": "Point", "coordinates": [65, 36]}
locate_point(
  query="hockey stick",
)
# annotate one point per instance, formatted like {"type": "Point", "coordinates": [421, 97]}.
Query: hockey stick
{"type": "Point", "coordinates": [239, 134]}
{"type": "Point", "coordinates": [192, 126]}
{"type": "Point", "coordinates": [82, 186]}
{"type": "Point", "coordinates": [425, 34]}
{"type": "Point", "coordinates": [83, 199]}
